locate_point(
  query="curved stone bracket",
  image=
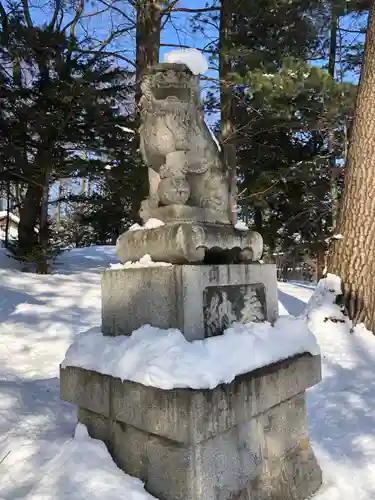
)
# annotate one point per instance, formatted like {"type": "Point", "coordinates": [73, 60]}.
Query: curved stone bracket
{"type": "Point", "coordinates": [184, 243]}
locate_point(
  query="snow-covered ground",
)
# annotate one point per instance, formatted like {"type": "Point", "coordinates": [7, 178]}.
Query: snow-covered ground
{"type": "Point", "coordinates": [39, 459]}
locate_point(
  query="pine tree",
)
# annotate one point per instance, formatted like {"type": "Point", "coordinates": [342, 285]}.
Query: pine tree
{"type": "Point", "coordinates": [61, 118]}
{"type": "Point", "coordinates": [352, 256]}
{"type": "Point", "coordinates": [283, 108]}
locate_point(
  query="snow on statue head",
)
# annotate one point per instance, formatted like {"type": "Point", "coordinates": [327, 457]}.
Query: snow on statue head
{"type": "Point", "coordinates": [185, 163]}
{"type": "Point", "coordinates": [192, 58]}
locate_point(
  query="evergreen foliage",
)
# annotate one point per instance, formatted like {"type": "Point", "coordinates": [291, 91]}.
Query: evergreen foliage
{"type": "Point", "coordinates": [67, 102]}
{"type": "Point", "coordinates": [62, 117]}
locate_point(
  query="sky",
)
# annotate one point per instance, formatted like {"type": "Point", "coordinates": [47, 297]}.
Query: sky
{"type": "Point", "coordinates": [177, 32]}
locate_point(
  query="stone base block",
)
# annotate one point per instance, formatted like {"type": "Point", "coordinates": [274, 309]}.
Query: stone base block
{"type": "Point", "coordinates": [191, 243]}
{"type": "Point", "coordinates": [247, 440]}
{"type": "Point", "coordinates": [201, 301]}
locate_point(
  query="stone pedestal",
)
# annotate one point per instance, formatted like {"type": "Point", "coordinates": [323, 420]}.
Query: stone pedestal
{"type": "Point", "coordinates": [182, 242]}
{"type": "Point", "coordinates": [247, 440]}
{"type": "Point", "coordinates": [201, 301]}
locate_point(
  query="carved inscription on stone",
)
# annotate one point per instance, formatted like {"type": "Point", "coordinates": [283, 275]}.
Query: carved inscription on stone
{"type": "Point", "coordinates": [224, 305]}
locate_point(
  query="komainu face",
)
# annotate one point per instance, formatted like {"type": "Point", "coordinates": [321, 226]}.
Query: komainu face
{"type": "Point", "coordinates": [168, 104]}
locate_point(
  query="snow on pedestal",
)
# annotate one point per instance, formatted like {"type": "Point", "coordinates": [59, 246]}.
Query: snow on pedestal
{"type": "Point", "coordinates": [241, 430]}
{"type": "Point", "coordinates": [145, 261]}
{"type": "Point", "coordinates": [241, 226]}
{"type": "Point", "coordinates": [239, 439]}
{"type": "Point", "coordinates": [165, 359]}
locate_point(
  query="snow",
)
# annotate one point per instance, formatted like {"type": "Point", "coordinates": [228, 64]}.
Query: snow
{"type": "Point", "coordinates": [341, 408]}
{"type": "Point", "coordinates": [126, 129]}
{"type": "Point", "coordinates": [12, 229]}
{"type": "Point", "coordinates": [165, 359]}
{"type": "Point", "coordinates": [214, 138]}
{"type": "Point", "coordinates": [193, 58]}
{"type": "Point", "coordinates": [136, 227]}
{"type": "Point", "coordinates": [241, 226]}
{"type": "Point", "coordinates": [293, 297]}
{"type": "Point", "coordinates": [145, 261]}
{"type": "Point", "coordinates": [150, 224]}
{"type": "Point", "coordinates": [153, 224]}
{"type": "Point", "coordinates": [12, 217]}
{"type": "Point", "coordinates": [84, 467]}
{"type": "Point", "coordinates": [39, 318]}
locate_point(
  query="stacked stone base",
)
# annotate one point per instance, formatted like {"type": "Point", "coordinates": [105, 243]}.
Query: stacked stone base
{"type": "Point", "coordinates": [247, 440]}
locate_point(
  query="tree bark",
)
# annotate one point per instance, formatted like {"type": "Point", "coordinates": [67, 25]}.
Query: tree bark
{"type": "Point", "coordinates": [148, 28]}
{"type": "Point", "coordinates": [227, 127]}
{"type": "Point", "coordinates": [227, 124]}
{"type": "Point", "coordinates": [58, 206]}
{"type": "Point", "coordinates": [353, 257]}
{"type": "Point", "coordinates": [7, 221]}
{"type": "Point", "coordinates": [84, 186]}
{"type": "Point", "coordinates": [331, 134]}
{"type": "Point", "coordinates": [29, 214]}
{"type": "Point", "coordinates": [42, 259]}
{"type": "Point", "coordinates": [258, 219]}
{"type": "Point", "coordinates": [320, 263]}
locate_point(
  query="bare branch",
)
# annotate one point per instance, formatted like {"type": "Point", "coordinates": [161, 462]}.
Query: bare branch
{"type": "Point", "coordinates": [261, 193]}
{"type": "Point", "coordinates": [55, 15]}
{"type": "Point", "coordinates": [193, 11]}
{"type": "Point", "coordinates": [111, 6]}
{"type": "Point", "coordinates": [95, 13]}
{"type": "Point", "coordinates": [358, 32]}
{"type": "Point", "coordinates": [3, 17]}
{"type": "Point", "coordinates": [72, 24]}
{"type": "Point", "coordinates": [59, 24]}
{"type": "Point", "coordinates": [167, 12]}
{"type": "Point", "coordinates": [106, 54]}
{"type": "Point", "coordinates": [26, 12]}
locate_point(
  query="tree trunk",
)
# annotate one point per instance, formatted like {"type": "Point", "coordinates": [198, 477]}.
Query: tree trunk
{"type": "Point", "coordinates": [17, 197]}
{"type": "Point", "coordinates": [331, 133]}
{"type": "Point", "coordinates": [42, 258]}
{"type": "Point", "coordinates": [7, 220]}
{"type": "Point", "coordinates": [29, 214]}
{"type": "Point", "coordinates": [227, 127]}
{"type": "Point", "coordinates": [58, 207]}
{"type": "Point", "coordinates": [148, 28]}
{"type": "Point", "coordinates": [84, 186]}
{"type": "Point", "coordinates": [147, 39]}
{"type": "Point", "coordinates": [258, 219]}
{"type": "Point", "coordinates": [353, 257]}
{"type": "Point", "coordinates": [320, 263]}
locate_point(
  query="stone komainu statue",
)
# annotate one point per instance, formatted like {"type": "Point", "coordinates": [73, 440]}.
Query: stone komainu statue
{"type": "Point", "coordinates": [192, 181]}
{"type": "Point", "coordinates": [186, 165]}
